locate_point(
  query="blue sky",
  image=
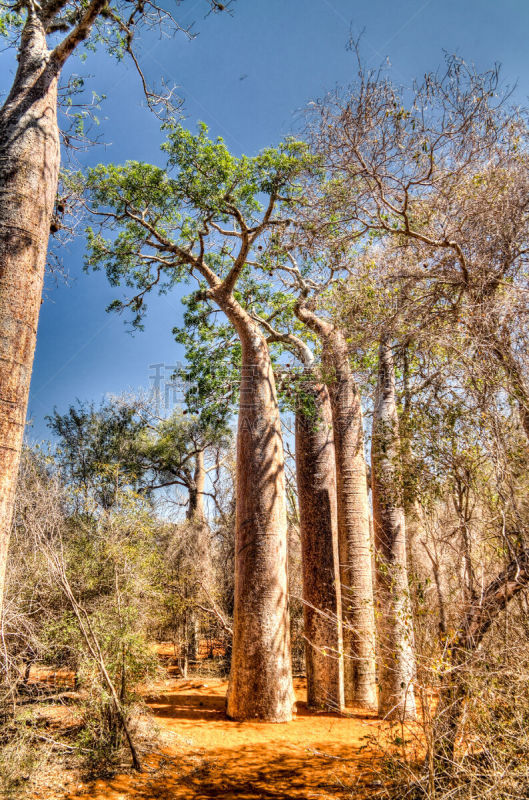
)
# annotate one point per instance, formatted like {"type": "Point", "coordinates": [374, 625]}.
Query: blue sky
{"type": "Point", "coordinates": [247, 76]}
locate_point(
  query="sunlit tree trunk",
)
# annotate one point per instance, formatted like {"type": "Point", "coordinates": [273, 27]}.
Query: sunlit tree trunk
{"type": "Point", "coordinates": [260, 684]}
{"type": "Point", "coordinates": [29, 165]}
{"type": "Point", "coordinates": [354, 539]}
{"type": "Point", "coordinates": [196, 509]}
{"type": "Point", "coordinates": [29, 168]}
{"type": "Point", "coordinates": [316, 480]}
{"type": "Point", "coordinates": [395, 625]}
{"type": "Point", "coordinates": [201, 554]}
{"type": "Point", "coordinates": [194, 639]}
{"type": "Point", "coordinates": [353, 529]}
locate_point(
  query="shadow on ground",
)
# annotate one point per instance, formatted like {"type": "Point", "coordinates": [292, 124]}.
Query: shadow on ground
{"type": "Point", "coordinates": [206, 755]}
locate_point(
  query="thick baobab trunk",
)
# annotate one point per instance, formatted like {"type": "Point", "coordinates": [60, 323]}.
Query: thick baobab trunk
{"type": "Point", "coordinates": [354, 535]}
{"type": "Point", "coordinates": [396, 699]}
{"type": "Point", "coordinates": [316, 480]}
{"type": "Point", "coordinates": [354, 538]}
{"type": "Point", "coordinates": [29, 164]}
{"type": "Point", "coordinates": [260, 684]}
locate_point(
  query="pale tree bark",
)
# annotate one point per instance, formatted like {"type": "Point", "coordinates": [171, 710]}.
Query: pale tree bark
{"type": "Point", "coordinates": [200, 554]}
{"type": "Point", "coordinates": [318, 515]}
{"type": "Point", "coordinates": [199, 569]}
{"type": "Point", "coordinates": [29, 165]}
{"type": "Point", "coordinates": [195, 509]}
{"type": "Point", "coordinates": [193, 634]}
{"type": "Point", "coordinates": [29, 168]}
{"type": "Point", "coordinates": [354, 539]}
{"type": "Point", "coordinates": [260, 685]}
{"type": "Point", "coordinates": [318, 518]}
{"type": "Point", "coordinates": [463, 509]}
{"type": "Point", "coordinates": [396, 672]}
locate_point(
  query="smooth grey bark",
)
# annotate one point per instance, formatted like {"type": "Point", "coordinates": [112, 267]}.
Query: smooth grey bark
{"type": "Point", "coordinates": [195, 509]}
{"type": "Point", "coordinates": [396, 668]}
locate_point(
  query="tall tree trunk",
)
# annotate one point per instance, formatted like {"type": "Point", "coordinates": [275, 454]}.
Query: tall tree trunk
{"type": "Point", "coordinates": [193, 637]}
{"type": "Point", "coordinates": [353, 529]}
{"type": "Point", "coordinates": [316, 479]}
{"type": "Point", "coordinates": [354, 539]}
{"type": "Point", "coordinates": [200, 550]}
{"type": "Point", "coordinates": [195, 509]}
{"type": "Point", "coordinates": [396, 699]}
{"type": "Point", "coordinates": [260, 684]}
{"type": "Point", "coordinates": [29, 165]}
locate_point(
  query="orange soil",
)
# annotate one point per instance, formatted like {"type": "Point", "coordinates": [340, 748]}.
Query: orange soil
{"type": "Point", "coordinates": [207, 648]}
{"type": "Point", "coordinates": [61, 678]}
{"type": "Point", "coordinates": [317, 755]}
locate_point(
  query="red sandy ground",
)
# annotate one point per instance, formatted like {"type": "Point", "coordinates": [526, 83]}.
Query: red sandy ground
{"type": "Point", "coordinates": [205, 755]}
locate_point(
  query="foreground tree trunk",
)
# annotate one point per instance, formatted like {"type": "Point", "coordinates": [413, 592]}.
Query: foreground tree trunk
{"type": "Point", "coordinates": [260, 684]}
{"type": "Point", "coordinates": [479, 617]}
{"type": "Point", "coordinates": [261, 674]}
{"type": "Point", "coordinates": [29, 165]}
{"type": "Point", "coordinates": [354, 539]}
{"type": "Point", "coordinates": [396, 699]}
{"type": "Point", "coordinates": [29, 168]}
{"type": "Point", "coordinates": [316, 479]}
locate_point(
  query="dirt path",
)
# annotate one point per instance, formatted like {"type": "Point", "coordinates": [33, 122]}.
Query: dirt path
{"type": "Point", "coordinates": [208, 756]}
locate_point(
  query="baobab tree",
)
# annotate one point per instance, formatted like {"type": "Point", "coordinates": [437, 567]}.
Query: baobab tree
{"type": "Point", "coordinates": [438, 174]}
{"type": "Point", "coordinates": [212, 355]}
{"type": "Point", "coordinates": [396, 669]}
{"type": "Point", "coordinates": [370, 305]}
{"type": "Point", "coordinates": [204, 217]}
{"type": "Point", "coordinates": [318, 522]}
{"type": "Point", "coordinates": [354, 533]}
{"type": "Point", "coordinates": [44, 36]}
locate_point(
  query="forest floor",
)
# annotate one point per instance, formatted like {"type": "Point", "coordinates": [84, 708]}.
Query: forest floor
{"type": "Point", "coordinates": [203, 755]}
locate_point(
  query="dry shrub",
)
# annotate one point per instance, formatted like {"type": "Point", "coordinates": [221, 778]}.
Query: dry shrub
{"type": "Point", "coordinates": [21, 757]}
{"type": "Point", "coordinates": [80, 595]}
{"type": "Point", "coordinates": [491, 757]}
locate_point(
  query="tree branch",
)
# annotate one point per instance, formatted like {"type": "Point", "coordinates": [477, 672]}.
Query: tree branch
{"type": "Point", "coordinates": [81, 31]}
